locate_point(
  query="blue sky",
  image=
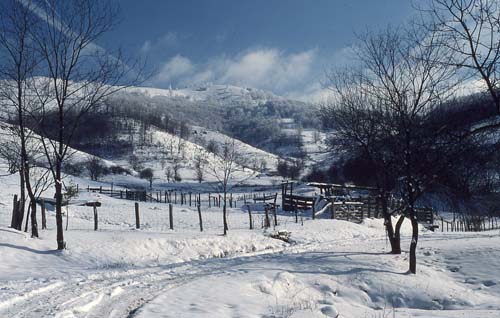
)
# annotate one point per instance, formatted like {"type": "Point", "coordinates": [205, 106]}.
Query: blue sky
{"type": "Point", "coordinates": [282, 46]}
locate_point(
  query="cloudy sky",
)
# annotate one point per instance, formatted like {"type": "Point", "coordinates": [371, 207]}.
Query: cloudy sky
{"type": "Point", "coordinates": [282, 46]}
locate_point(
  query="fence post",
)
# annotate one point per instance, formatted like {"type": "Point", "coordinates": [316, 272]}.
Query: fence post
{"type": "Point", "coordinates": [95, 217]}
{"type": "Point", "coordinates": [313, 211]}
{"type": "Point", "coordinates": [171, 216]}
{"type": "Point", "coordinates": [199, 216]}
{"type": "Point", "coordinates": [296, 214]}
{"type": "Point", "coordinates": [137, 221]}
{"type": "Point", "coordinates": [333, 209]}
{"type": "Point", "coordinates": [275, 216]}
{"type": "Point", "coordinates": [268, 224]}
{"type": "Point", "coordinates": [13, 222]}
{"type": "Point", "coordinates": [44, 217]}
{"type": "Point", "coordinates": [250, 217]}
{"type": "Point", "coordinates": [442, 224]}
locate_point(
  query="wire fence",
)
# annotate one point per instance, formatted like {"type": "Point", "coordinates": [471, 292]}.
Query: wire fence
{"type": "Point", "coordinates": [147, 216]}
{"type": "Point", "coordinates": [186, 212]}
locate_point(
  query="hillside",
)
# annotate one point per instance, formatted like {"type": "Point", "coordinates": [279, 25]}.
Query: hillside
{"type": "Point", "coordinates": [251, 115]}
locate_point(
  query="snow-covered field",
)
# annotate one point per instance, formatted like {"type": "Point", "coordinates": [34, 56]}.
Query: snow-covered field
{"type": "Point", "coordinates": [330, 268]}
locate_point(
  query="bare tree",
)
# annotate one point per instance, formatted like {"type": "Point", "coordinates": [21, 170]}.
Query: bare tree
{"type": "Point", "coordinates": [169, 174]}
{"type": "Point", "coordinates": [402, 79]}
{"type": "Point", "coordinates": [20, 61]}
{"type": "Point", "coordinates": [199, 166]}
{"type": "Point", "coordinates": [176, 169]}
{"type": "Point", "coordinates": [406, 74]}
{"type": "Point", "coordinates": [95, 167]}
{"type": "Point", "coordinates": [148, 174]}
{"type": "Point", "coordinates": [358, 122]}
{"type": "Point", "coordinates": [135, 162]}
{"type": "Point", "coordinates": [471, 30]}
{"type": "Point", "coordinates": [79, 75]}
{"type": "Point", "coordinates": [225, 168]}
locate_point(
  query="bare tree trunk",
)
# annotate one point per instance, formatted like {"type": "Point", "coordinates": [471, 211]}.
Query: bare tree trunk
{"type": "Point", "coordinates": [59, 219]}
{"type": "Point", "coordinates": [388, 225]}
{"type": "Point", "coordinates": [34, 223]}
{"type": "Point", "coordinates": [224, 212]}
{"type": "Point", "coordinates": [27, 218]}
{"type": "Point", "coordinates": [397, 233]}
{"type": "Point", "coordinates": [22, 199]}
{"type": "Point", "coordinates": [31, 194]}
{"type": "Point", "coordinates": [13, 222]}
{"type": "Point", "coordinates": [410, 192]}
{"type": "Point", "coordinates": [413, 245]}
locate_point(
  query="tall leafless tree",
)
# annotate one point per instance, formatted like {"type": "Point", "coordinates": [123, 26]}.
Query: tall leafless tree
{"type": "Point", "coordinates": [471, 30]}
{"type": "Point", "coordinates": [359, 130]}
{"type": "Point", "coordinates": [401, 81]}
{"type": "Point", "coordinates": [404, 71]}
{"type": "Point", "coordinates": [225, 168]}
{"type": "Point", "coordinates": [78, 76]}
{"type": "Point", "coordinates": [19, 64]}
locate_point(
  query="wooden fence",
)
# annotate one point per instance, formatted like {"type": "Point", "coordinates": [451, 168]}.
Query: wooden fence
{"type": "Point", "coordinates": [471, 223]}
{"type": "Point", "coordinates": [167, 196]}
{"type": "Point", "coordinates": [354, 211]}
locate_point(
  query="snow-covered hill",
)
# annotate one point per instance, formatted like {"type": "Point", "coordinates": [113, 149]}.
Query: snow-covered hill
{"type": "Point", "coordinates": [220, 94]}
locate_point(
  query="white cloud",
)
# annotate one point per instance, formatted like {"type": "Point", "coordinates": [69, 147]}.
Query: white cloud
{"type": "Point", "coordinates": [312, 93]}
{"type": "Point", "coordinates": [268, 69]}
{"type": "Point", "coordinates": [176, 67]}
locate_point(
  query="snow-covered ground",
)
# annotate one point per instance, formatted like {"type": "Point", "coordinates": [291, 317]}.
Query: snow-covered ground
{"type": "Point", "coordinates": [333, 267]}
{"type": "Point", "coordinates": [222, 94]}
{"type": "Point", "coordinates": [345, 280]}
{"type": "Point", "coordinates": [329, 267]}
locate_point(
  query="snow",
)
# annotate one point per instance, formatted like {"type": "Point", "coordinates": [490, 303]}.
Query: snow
{"type": "Point", "coordinates": [222, 94]}
{"type": "Point", "coordinates": [352, 280]}
{"type": "Point", "coordinates": [330, 268]}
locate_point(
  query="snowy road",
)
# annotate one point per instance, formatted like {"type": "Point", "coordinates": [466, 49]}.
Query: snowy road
{"type": "Point", "coordinates": [114, 292]}
{"type": "Point", "coordinates": [357, 263]}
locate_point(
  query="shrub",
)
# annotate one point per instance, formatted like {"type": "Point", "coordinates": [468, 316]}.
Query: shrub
{"type": "Point", "coordinates": [119, 170]}
{"type": "Point", "coordinates": [147, 174]}
{"type": "Point", "coordinates": [96, 168]}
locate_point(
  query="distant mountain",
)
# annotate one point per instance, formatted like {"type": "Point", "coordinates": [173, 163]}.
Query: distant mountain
{"type": "Point", "coordinates": [225, 95]}
{"type": "Point", "coordinates": [251, 115]}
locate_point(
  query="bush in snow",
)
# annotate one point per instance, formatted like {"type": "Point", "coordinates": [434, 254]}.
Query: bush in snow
{"type": "Point", "coordinates": [147, 174]}
{"type": "Point", "coordinates": [96, 167]}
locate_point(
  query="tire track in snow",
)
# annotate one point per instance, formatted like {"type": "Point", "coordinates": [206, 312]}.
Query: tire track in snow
{"type": "Point", "coordinates": [118, 293]}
